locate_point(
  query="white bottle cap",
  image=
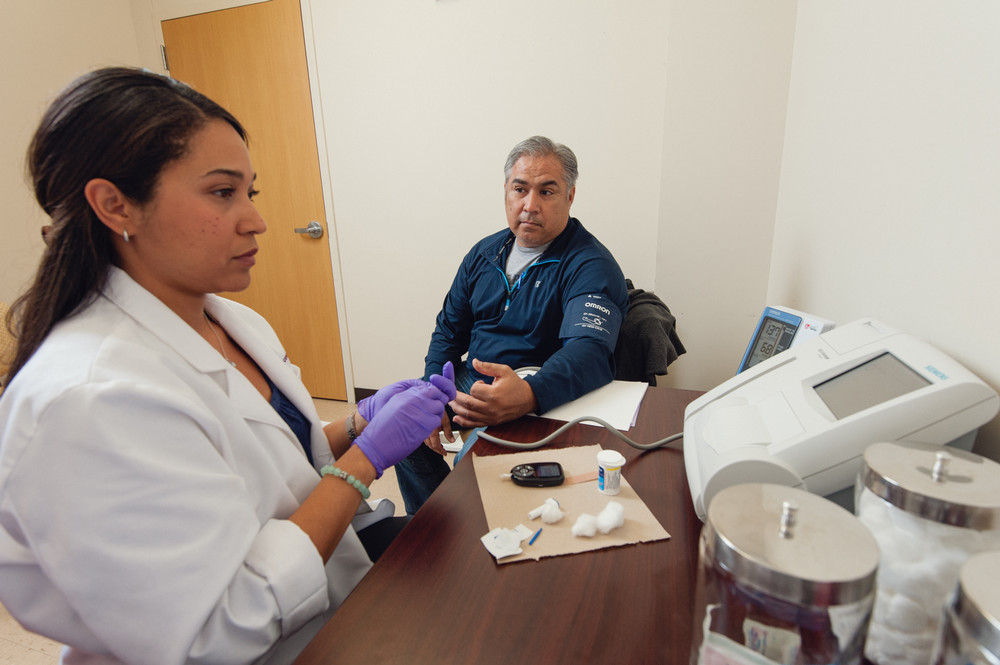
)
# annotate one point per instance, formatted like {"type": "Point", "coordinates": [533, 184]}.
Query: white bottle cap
{"type": "Point", "coordinates": [610, 459]}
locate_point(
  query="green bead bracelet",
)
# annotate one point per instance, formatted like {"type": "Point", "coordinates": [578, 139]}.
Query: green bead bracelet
{"type": "Point", "coordinates": [351, 480]}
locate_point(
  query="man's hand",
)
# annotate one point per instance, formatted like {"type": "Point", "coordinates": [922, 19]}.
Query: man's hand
{"type": "Point", "coordinates": [434, 440]}
{"type": "Point", "coordinates": [507, 398]}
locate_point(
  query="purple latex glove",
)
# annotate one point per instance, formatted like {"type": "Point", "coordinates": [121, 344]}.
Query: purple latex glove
{"type": "Point", "coordinates": [402, 424]}
{"type": "Point", "coordinates": [369, 406]}
{"type": "Point", "coordinates": [445, 381]}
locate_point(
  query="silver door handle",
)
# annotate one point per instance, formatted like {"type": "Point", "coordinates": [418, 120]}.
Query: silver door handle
{"type": "Point", "coordinates": [314, 229]}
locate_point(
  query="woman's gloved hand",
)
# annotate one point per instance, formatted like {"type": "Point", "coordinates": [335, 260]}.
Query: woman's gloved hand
{"type": "Point", "coordinates": [369, 406]}
{"type": "Point", "coordinates": [405, 420]}
{"type": "Point", "coordinates": [445, 381]}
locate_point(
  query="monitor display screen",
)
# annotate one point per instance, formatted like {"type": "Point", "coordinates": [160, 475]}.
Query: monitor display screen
{"type": "Point", "coordinates": [773, 337]}
{"type": "Point", "coordinates": [878, 380]}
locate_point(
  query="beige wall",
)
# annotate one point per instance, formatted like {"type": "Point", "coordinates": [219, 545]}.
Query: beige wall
{"type": "Point", "coordinates": [421, 103]}
{"type": "Point", "coordinates": [727, 90]}
{"type": "Point", "coordinates": [839, 158]}
{"type": "Point", "coordinates": [43, 45]}
{"type": "Point", "coordinates": [889, 203]}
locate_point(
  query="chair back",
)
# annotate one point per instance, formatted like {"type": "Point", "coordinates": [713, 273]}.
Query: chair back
{"type": "Point", "coordinates": [648, 341]}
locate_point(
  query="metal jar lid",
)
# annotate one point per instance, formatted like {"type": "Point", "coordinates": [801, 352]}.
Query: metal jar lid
{"type": "Point", "coordinates": [944, 485]}
{"type": "Point", "coordinates": [977, 600]}
{"type": "Point", "coordinates": [791, 545]}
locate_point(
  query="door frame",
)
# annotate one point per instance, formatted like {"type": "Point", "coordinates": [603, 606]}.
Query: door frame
{"type": "Point", "coordinates": [147, 15]}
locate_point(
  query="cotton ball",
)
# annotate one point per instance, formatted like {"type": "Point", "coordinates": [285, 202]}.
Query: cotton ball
{"type": "Point", "coordinates": [612, 517]}
{"type": "Point", "coordinates": [586, 526]}
{"type": "Point", "coordinates": [886, 647]}
{"type": "Point", "coordinates": [876, 511]}
{"type": "Point", "coordinates": [548, 511]}
{"type": "Point", "coordinates": [920, 561]}
{"type": "Point", "coordinates": [917, 647]}
{"type": "Point", "coordinates": [905, 616]}
{"type": "Point", "coordinates": [551, 513]}
{"type": "Point", "coordinates": [537, 512]}
{"type": "Point", "coordinates": [894, 575]}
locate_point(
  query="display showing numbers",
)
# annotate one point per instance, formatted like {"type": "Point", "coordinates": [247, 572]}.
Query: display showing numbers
{"type": "Point", "coordinates": [774, 337]}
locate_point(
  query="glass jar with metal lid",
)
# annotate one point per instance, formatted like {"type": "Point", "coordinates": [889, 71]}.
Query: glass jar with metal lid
{"type": "Point", "coordinates": [929, 508]}
{"type": "Point", "coordinates": [970, 628]}
{"type": "Point", "coordinates": [784, 576]}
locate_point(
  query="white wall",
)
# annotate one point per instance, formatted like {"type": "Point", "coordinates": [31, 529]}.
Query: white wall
{"type": "Point", "coordinates": [890, 189]}
{"type": "Point", "coordinates": [44, 44]}
{"type": "Point", "coordinates": [423, 100]}
{"type": "Point", "coordinates": [729, 63]}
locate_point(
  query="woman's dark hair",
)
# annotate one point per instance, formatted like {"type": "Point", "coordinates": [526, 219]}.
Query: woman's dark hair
{"type": "Point", "coordinates": [120, 124]}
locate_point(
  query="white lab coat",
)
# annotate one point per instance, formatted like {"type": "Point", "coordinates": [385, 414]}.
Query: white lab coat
{"type": "Point", "coordinates": [145, 487]}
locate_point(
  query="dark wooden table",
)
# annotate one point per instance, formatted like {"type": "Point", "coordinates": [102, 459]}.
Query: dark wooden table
{"type": "Point", "coordinates": [437, 596]}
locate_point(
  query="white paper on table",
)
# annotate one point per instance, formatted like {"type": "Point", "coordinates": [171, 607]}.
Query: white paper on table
{"type": "Point", "coordinates": [616, 403]}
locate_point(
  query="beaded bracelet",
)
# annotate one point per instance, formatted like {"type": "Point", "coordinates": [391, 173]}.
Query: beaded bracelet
{"type": "Point", "coordinates": [352, 434]}
{"type": "Point", "coordinates": [351, 480]}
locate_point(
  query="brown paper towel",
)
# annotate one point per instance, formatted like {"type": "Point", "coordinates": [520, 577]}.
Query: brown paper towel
{"type": "Point", "coordinates": [507, 505]}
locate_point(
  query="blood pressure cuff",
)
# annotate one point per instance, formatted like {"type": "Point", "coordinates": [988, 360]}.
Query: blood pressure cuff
{"type": "Point", "coordinates": [592, 315]}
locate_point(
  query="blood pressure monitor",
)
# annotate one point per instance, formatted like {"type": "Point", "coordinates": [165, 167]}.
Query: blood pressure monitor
{"type": "Point", "coordinates": [780, 328]}
{"type": "Point", "coordinates": [805, 416]}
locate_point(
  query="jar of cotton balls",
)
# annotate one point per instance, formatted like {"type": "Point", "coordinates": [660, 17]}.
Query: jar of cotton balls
{"type": "Point", "coordinates": [970, 628]}
{"type": "Point", "coordinates": [784, 576]}
{"type": "Point", "coordinates": [929, 509]}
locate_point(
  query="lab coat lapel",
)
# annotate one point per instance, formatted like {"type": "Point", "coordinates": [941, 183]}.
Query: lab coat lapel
{"type": "Point", "coordinates": [271, 359]}
{"type": "Point", "coordinates": [160, 321]}
{"type": "Point", "coordinates": [149, 312]}
{"type": "Point", "coordinates": [276, 367]}
{"type": "Point", "coordinates": [263, 354]}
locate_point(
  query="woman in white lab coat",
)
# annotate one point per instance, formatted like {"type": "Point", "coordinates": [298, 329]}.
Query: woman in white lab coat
{"type": "Point", "coordinates": [167, 492]}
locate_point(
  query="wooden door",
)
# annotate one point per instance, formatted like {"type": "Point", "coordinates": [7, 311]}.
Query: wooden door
{"type": "Point", "coordinates": [252, 61]}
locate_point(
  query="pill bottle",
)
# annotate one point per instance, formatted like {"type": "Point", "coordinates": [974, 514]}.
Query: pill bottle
{"type": "Point", "coordinates": [930, 508]}
{"type": "Point", "coordinates": [970, 624]}
{"type": "Point", "coordinates": [609, 471]}
{"type": "Point", "coordinates": [784, 576]}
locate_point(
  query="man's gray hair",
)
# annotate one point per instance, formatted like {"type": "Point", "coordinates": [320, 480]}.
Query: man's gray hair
{"type": "Point", "coordinates": [540, 146]}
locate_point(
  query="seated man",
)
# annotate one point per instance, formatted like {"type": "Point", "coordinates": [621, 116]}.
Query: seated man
{"type": "Point", "coordinates": [544, 293]}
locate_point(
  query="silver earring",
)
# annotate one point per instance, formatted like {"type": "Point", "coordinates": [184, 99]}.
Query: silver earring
{"type": "Point", "coordinates": [125, 234]}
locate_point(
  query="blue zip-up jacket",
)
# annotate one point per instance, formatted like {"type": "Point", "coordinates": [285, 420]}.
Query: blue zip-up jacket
{"type": "Point", "coordinates": [562, 315]}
